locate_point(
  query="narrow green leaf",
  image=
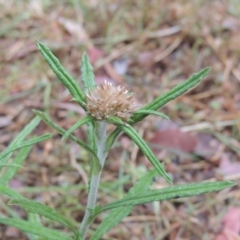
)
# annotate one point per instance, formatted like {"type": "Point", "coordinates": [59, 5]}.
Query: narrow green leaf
{"type": "Point", "coordinates": [184, 190]}
{"type": "Point", "coordinates": [148, 112]}
{"type": "Point", "coordinates": [10, 193]}
{"type": "Point", "coordinates": [87, 77]}
{"type": "Point", "coordinates": [25, 144]}
{"type": "Point", "coordinates": [62, 74]}
{"type": "Point", "coordinates": [97, 166]}
{"type": "Point", "coordinates": [115, 120]}
{"type": "Point", "coordinates": [19, 138]}
{"type": "Point", "coordinates": [111, 138]}
{"type": "Point", "coordinates": [26, 130]}
{"type": "Point", "coordinates": [34, 219]}
{"type": "Point", "coordinates": [130, 131]}
{"type": "Point", "coordinates": [116, 215]}
{"type": "Point", "coordinates": [77, 125]}
{"type": "Point", "coordinates": [87, 73]}
{"type": "Point", "coordinates": [18, 160]}
{"type": "Point", "coordinates": [93, 146]}
{"type": "Point", "coordinates": [161, 101]}
{"type": "Point", "coordinates": [173, 93]}
{"type": "Point", "coordinates": [10, 212]}
{"type": "Point", "coordinates": [35, 229]}
{"type": "Point", "coordinates": [11, 165]}
{"type": "Point", "coordinates": [42, 210]}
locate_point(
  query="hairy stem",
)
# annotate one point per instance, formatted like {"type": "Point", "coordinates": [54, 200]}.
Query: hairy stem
{"type": "Point", "coordinates": [101, 130]}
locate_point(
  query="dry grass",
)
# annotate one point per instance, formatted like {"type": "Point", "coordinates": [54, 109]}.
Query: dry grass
{"type": "Point", "coordinates": [156, 44]}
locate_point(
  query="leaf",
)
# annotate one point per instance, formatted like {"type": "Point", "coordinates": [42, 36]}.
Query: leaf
{"type": "Point", "coordinates": [111, 138]}
{"type": "Point", "coordinates": [184, 190]}
{"type": "Point", "coordinates": [89, 84]}
{"type": "Point", "coordinates": [130, 131]}
{"type": "Point", "coordinates": [35, 229]}
{"type": "Point", "coordinates": [92, 144]}
{"type": "Point", "coordinates": [162, 100]}
{"type": "Point", "coordinates": [25, 144]}
{"type": "Point", "coordinates": [10, 193]}
{"type": "Point", "coordinates": [19, 138]}
{"type": "Point", "coordinates": [116, 215]}
{"type": "Point", "coordinates": [11, 165]}
{"type": "Point", "coordinates": [97, 166]}
{"type": "Point", "coordinates": [62, 74]}
{"type": "Point", "coordinates": [148, 112]}
{"type": "Point", "coordinates": [87, 73]}
{"type": "Point", "coordinates": [10, 212]}
{"type": "Point", "coordinates": [77, 125]}
{"type": "Point", "coordinates": [115, 120]}
{"type": "Point", "coordinates": [18, 160]}
{"type": "Point", "coordinates": [34, 219]}
{"type": "Point", "coordinates": [173, 93]}
{"type": "Point", "coordinates": [42, 210]}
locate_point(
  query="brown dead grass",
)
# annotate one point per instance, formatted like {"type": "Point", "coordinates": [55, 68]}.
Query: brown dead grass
{"type": "Point", "coordinates": [161, 43]}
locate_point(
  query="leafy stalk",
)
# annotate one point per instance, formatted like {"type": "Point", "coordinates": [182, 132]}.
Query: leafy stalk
{"type": "Point", "coordinates": [117, 214]}
{"type": "Point", "coordinates": [101, 129]}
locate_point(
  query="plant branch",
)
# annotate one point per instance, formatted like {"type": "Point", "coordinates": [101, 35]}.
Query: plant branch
{"type": "Point", "coordinates": [101, 130]}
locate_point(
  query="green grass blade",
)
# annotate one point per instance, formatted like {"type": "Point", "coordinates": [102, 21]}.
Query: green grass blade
{"type": "Point", "coordinates": [62, 74]}
{"type": "Point", "coordinates": [25, 144]}
{"type": "Point", "coordinates": [49, 122]}
{"type": "Point", "coordinates": [42, 210]}
{"type": "Point", "coordinates": [87, 73]}
{"type": "Point", "coordinates": [20, 137]}
{"type": "Point", "coordinates": [175, 92]}
{"type": "Point", "coordinates": [33, 228]}
{"type": "Point", "coordinates": [77, 125]}
{"type": "Point", "coordinates": [18, 160]}
{"type": "Point", "coordinates": [148, 112]}
{"type": "Point", "coordinates": [116, 215]}
{"type": "Point", "coordinates": [130, 131]}
{"type": "Point", "coordinates": [184, 190]}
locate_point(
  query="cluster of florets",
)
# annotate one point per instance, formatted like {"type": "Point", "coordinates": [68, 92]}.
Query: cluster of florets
{"type": "Point", "coordinates": [107, 101]}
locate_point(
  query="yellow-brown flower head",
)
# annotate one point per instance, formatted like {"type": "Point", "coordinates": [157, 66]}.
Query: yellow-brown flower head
{"type": "Point", "coordinates": [107, 101]}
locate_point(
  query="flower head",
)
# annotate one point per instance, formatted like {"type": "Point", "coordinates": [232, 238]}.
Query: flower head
{"type": "Point", "coordinates": [107, 101]}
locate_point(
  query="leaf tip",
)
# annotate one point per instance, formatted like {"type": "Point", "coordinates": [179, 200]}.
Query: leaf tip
{"type": "Point", "coordinates": [205, 71]}
{"type": "Point", "coordinates": [169, 179]}
{"type": "Point", "coordinates": [39, 44]}
{"type": "Point", "coordinates": [231, 184]}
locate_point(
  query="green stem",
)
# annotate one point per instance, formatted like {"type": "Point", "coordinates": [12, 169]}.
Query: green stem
{"type": "Point", "coordinates": [101, 130]}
